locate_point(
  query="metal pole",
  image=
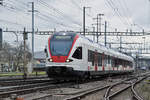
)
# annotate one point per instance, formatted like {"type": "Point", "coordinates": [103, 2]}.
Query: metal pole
{"type": "Point", "coordinates": [120, 43]}
{"type": "Point", "coordinates": [33, 29]}
{"type": "Point", "coordinates": [100, 22]}
{"type": "Point", "coordinates": [24, 65]}
{"type": "Point", "coordinates": [84, 21]}
{"type": "Point", "coordinates": [1, 38]}
{"type": "Point", "coordinates": [93, 33]}
{"type": "Point", "coordinates": [144, 43]}
{"type": "Point", "coordinates": [54, 30]}
{"type": "Point", "coordinates": [97, 28]}
{"type": "Point", "coordinates": [105, 33]}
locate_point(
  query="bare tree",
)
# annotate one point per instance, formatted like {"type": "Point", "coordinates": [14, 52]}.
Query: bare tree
{"type": "Point", "coordinates": [13, 55]}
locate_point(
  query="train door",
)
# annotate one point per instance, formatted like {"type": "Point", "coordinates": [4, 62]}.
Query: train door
{"type": "Point", "coordinates": [96, 61]}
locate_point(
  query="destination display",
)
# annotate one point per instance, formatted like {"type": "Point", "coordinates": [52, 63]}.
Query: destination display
{"type": "Point", "coordinates": [62, 37]}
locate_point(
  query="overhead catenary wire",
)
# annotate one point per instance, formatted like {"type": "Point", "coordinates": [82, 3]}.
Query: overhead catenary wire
{"type": "Point", "coordinates": [14, 9]}
{"type": "Point", "coordinates": [124, 12]}
{"type": "Point", "coordinates": [115, 9]}
{"type": "Point", "coordinates": [129, 13]}
{"type": "Point", "coordinates": [80, 8]}
{"type": "Point", "coordinates": [47, 18]}
{"type": "Point", "coordinates": [59, 12]}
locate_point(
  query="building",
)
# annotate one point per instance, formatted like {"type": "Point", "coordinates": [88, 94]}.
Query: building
{"type": "Point", "coordinates": [144, 62]}
{"type": "Point", "coordinates": [39, 58]}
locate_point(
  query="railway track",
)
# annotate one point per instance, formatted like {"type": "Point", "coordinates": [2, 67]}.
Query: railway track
{"type": "Point", "coordinates": [21, 81]}
{"type": "Point", "coordinates": [30, 88]}
{"type": "Point", "coordinates": [107, 90]}
{"type": "Point", "coordinates": [94, 90]}
{"type": "Point", "coordinates": [135, 95]}
{"type": "Point", "coordinates": [79, 95]}
{"type": "Point", "coordinates": [2, 79]}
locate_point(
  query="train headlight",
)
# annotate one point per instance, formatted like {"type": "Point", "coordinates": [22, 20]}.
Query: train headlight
{"type": "Point", "coordinates": [50, 60]}
{"type": "Point", "coordinates": [69, 60]}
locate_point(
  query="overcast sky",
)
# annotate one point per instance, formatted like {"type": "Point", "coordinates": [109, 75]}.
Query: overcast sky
{"type": "Point", "coordinates": [67, 15]}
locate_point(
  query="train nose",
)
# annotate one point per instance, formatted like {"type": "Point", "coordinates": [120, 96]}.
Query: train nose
{"type": "Point", "coordinates": [58, 70]}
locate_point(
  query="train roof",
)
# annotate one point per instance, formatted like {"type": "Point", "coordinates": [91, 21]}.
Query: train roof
{"type": "Point", "coordinates": [65, 33]}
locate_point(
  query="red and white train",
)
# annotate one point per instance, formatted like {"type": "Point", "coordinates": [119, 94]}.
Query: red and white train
{"type": "Point", "coordinates": [73, 55]}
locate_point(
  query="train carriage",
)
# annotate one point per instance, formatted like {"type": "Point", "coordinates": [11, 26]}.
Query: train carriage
{"type": "Point", "coordinates": [73, 55]}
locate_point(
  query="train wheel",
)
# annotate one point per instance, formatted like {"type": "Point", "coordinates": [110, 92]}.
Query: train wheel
{"type": "Point", "coordinates": [86, 75]}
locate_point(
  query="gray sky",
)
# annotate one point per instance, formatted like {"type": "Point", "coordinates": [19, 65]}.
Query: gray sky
{"type": "Point", "coordinates": [67, 15]}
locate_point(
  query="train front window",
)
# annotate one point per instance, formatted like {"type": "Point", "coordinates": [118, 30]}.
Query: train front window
{"type": "Point", "coordinates": [60, 45]}
{"type": "Point", "coordinates": [78, 53]}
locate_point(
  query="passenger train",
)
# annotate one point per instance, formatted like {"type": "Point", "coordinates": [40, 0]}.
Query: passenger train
{"type": "Point", "coordinates": [72, 55]}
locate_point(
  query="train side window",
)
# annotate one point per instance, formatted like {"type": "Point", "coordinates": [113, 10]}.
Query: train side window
{"type": "Point", "coordinates": [105, 60]}
{"type": "Point", "coordinates": [78, 53]}
{"type": "Point", "coordinates": [113, 61]}
{"type": "Point", "coordinates": [45, 50]}
{"type": "Point", "coordinates": [99, 59]}
{"type": "Point", "coordinates": [116, 62]}
{"type": "Point", "coordinates": [109, 59]}
{"type": "Point", "coordinates": [91, 57]}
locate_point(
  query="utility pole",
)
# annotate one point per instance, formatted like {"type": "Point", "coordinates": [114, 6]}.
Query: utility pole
{"type": "Point", "coordinates": [100, 22]}
{"type": "Point", "coordinates": [1, 38]}
{"type": "Point", "coordinates": [84, 19]}
{"type": "Point", "coordinates": [33, 29]}
{"type": "Point", "coordinates": [54, 30]}
{"type": "Point", "coordinates": [120, 43]}
{"type": "Point", "coordinates": [93, 33]}
{"type": "Point", "coordinates": [97, 22]}
{"type": "Point", "coordinates": [25, 37]}
{"type": "Point", "coordinates": [105, 33]}
{"type": "Point", "coordinates": [144, 42]}
{"type": "Point", "coordinates": [143, 31]}
{"type": "Point", "coordinates": [98, 29]}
